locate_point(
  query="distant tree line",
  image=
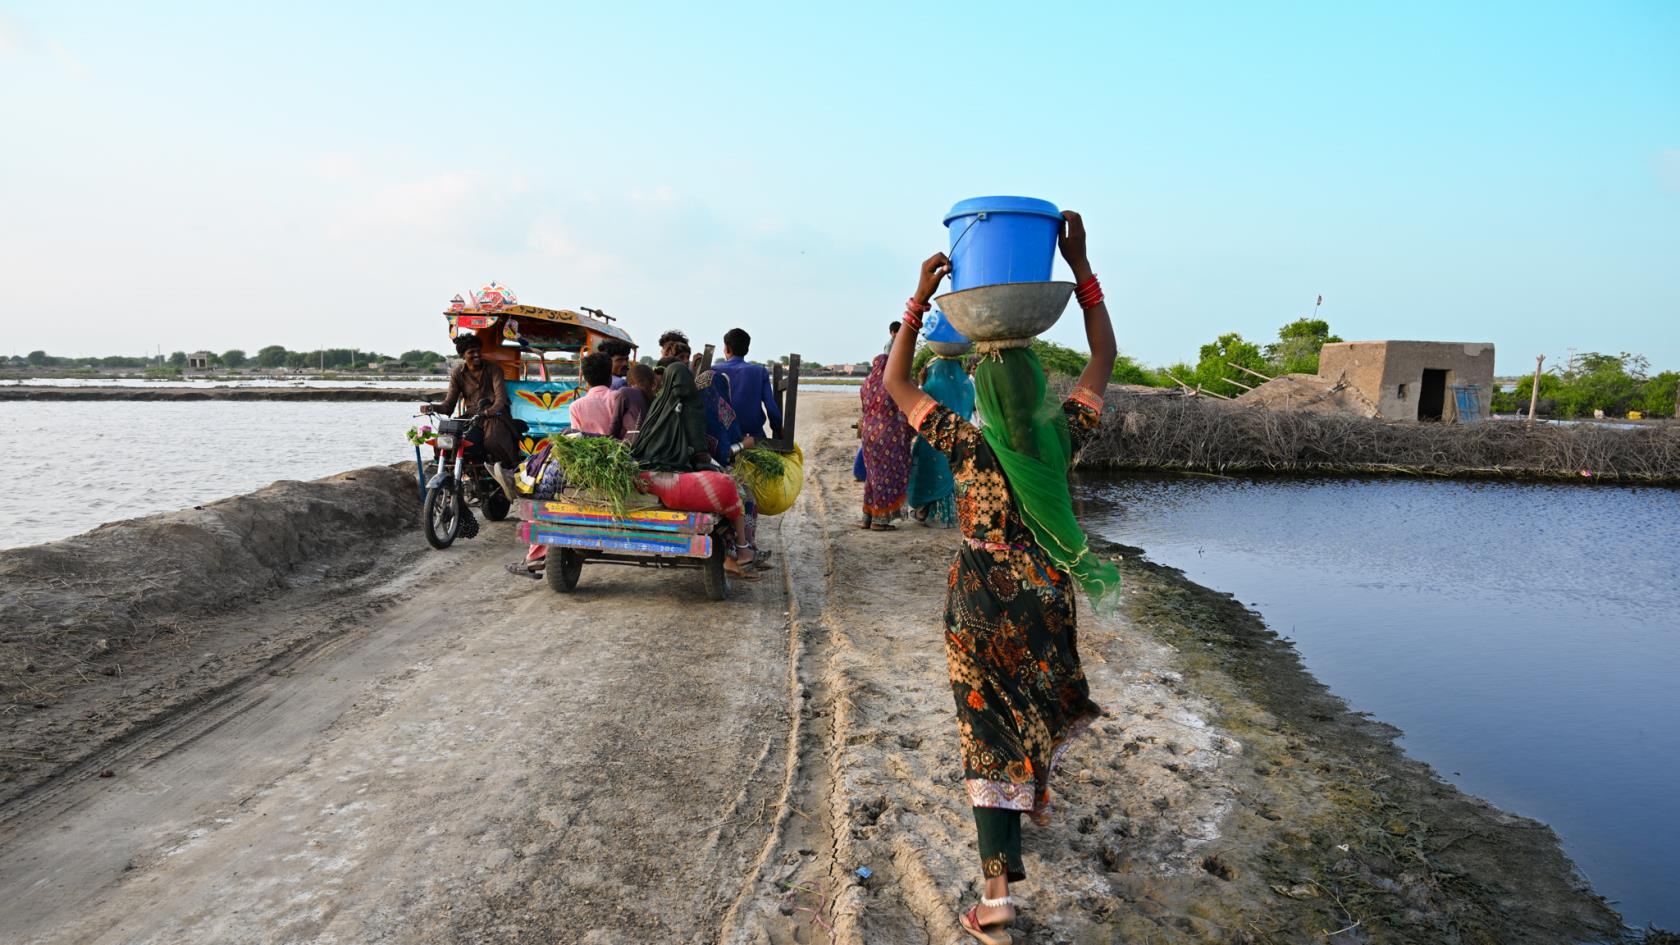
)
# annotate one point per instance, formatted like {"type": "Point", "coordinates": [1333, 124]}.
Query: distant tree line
{"type": "Point", "coordinates": [272, 357]}
{"type": "Point", "coordinates": [1295, 351]}
{"type": "Point", "coordinates": [1613, 383]}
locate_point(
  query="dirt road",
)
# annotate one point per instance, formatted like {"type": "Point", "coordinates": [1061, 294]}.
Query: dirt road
{"type": "Point", "coordinates": [445, 753]}
{"type": "Point", "coordinates": [478, 760]}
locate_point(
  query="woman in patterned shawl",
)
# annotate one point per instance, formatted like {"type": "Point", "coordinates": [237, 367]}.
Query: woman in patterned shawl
{"type": "Point", "coordinates": [1020, 693]}
{"type": "Point", "coordinates": [886, 450]}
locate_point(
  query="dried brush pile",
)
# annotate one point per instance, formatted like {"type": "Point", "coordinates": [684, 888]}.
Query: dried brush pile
{"type": "Point", "coordinates": [1155, 432]}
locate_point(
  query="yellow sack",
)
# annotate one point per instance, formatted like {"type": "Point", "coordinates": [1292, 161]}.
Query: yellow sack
{"type": "Point", "coordinates": [773, 494]}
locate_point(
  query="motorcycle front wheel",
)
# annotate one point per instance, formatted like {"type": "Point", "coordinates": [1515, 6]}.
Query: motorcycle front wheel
{"type": "Point", "coordinates": [444, 509]}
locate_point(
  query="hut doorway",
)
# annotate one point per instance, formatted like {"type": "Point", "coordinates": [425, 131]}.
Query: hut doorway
{"type": "Point", "coordinates": [1432, 397]}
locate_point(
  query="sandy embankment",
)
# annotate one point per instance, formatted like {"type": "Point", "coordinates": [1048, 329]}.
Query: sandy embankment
{"type": "Point", "coordinates": [438, 752]}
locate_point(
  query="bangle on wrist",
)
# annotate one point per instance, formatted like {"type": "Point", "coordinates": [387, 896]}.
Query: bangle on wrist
{"type": "Point", "coordinates": [1089, 292]}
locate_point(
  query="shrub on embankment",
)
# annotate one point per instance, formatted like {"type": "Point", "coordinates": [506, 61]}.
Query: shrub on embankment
{"type": "Point", "coordinates": [130, 580]}
{"type": "Point", "coordinates": [1180, 433]}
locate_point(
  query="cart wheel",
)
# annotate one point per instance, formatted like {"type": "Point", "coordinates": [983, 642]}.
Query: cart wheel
{"type": "Point", "coordinates": [717, 579]}
{"type": "Point", "coordinates": [563, 569]}
{"type": "Point", "coordinates": [444, 509]}
{"type": "Point", "coordinates": [496, 505]}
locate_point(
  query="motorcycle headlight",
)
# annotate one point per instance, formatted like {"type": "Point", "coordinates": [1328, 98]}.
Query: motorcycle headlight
{"type": "Point", "coordinates": [446, 441]}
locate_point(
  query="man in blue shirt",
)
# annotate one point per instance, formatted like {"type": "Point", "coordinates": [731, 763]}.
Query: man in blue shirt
{"type": "Point", "coordinates": [750, 391]}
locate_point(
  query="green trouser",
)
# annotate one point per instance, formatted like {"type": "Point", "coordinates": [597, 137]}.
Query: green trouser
{"type": "Point", "coordinates": [1000, 842]}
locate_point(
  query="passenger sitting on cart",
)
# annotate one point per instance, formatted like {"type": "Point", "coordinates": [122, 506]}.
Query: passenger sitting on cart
{"type": "Point", "coordinates": [600, 412]}
{"type": "Point", "coordinates": [476, 386]}
{"type": "Point", "coordinates": [619, 352]}
{"type": "Point", "coordinates": [677, 467]}
{"type": "Point", "coordinates": [637, 395]}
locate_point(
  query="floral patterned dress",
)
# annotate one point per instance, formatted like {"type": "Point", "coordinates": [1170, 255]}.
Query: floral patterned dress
{"type": "Point", "coordinates": [886, 445]}
{"type": "Point", "coordinates": [1009, 625]}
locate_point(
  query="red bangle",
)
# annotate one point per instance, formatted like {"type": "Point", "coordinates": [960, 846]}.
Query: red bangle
{"type": "Point", "coordinates": [1089, 293]}
{"type": "Point", "coordinates": [912, 321]}
{"type": "Point", "coordinates": [911, 305]}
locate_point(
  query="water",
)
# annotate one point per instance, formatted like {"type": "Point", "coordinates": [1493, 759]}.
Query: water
{"type": "Point", "coordinates": [83, 464]}
{"type": "Point", "coordinates": [205, 383]}
{"type": "Point", "coordinates": [1525, 637]}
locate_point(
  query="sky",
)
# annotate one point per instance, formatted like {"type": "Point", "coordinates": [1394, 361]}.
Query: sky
{"type": "Point", "coordinates": [237, 175]}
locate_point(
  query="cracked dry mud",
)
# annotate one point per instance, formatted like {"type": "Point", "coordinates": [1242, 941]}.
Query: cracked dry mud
{"type": "Point", "coordinates": [449, 754]}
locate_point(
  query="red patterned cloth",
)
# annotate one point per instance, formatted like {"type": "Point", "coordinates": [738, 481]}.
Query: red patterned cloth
{"type": "Point", "coordinates": [886, 444]}
{"type": "Point", "coordinates": [706, 491]}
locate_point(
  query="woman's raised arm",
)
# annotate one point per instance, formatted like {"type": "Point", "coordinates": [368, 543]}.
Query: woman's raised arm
{"type": "Point", "coordinates": [904, 391]}
{"type": "Point", "coordinates": [1099, 329]}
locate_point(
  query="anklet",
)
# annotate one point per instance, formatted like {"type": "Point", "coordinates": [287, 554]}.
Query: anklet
{"type": "Point", "coordinates": [997, 903]}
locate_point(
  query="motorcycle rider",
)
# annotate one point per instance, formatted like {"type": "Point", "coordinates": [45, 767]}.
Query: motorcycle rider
{"type": "Point", "coordinates": [478, 382]}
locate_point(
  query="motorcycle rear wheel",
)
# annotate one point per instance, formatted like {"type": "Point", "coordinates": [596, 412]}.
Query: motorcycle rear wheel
{"type": "Point", "coordinates": [444, 509]}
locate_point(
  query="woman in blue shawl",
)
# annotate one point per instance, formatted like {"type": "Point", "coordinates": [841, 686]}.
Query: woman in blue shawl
{"type": "Point", "coordinates": [932, 488]}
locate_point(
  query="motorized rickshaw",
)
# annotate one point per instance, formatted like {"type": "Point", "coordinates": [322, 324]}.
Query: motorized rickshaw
{"type": "Point", "coordinates": [539, 351]}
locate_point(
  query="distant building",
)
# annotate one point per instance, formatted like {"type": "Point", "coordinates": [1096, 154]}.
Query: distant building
{"type": "Point", "coordinates": [1415, 380]}
{"type": "Point", "coordinates": [198, 361]}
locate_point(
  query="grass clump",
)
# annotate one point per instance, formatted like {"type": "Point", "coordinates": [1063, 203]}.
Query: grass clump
{"type": "Point", "coordinates": [599, 465]}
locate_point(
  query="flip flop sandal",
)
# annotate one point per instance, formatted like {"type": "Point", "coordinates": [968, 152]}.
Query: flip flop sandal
{"type": "Point", "coordinates": [971, 924]}
{"type": "Point", "coordinates": [519, 568]}
{"type": "Point", "coordinates": [739, 574]}
{"type": "Point", "coordinates": [883, 527]}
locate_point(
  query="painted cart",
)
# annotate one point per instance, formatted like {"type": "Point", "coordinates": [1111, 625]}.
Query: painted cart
{"type": "Point", "coordinates": [576, 534]}
{"type": "Point", "coordinates": [656, 537]}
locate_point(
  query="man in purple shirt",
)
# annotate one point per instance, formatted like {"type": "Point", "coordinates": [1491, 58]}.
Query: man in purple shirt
{"type": "Point", "coordinates": [750, 390]}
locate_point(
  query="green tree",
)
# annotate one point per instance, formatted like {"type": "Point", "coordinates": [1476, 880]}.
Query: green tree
{"type": "Point", "coordinates": [1297, 347]}
{"type": "Point", "coordinates": [272, 356]}
{"type": "Point", "coordinates": [1595, 381]}
{"type": "Point", "coordinates": [178, 358]}
{"type": "Point", "coordinates": [1059, 359]}
{"type": "Point", "coordinates": [36, 358]}
{"type": "Point", "coordinates": [420, 358]}
{"type": "Point", "coordinates": [233, 358]}
{"type": "Point", "coordinates": [1213, 367]}
{"type": "Point", "coordinates": [1657, 399]}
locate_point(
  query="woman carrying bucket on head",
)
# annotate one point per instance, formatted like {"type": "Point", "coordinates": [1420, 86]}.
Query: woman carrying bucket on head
{"type": "Point", "coordinates": [886, 448]}
{"type": "Point", "coordinates": [1020, 693]}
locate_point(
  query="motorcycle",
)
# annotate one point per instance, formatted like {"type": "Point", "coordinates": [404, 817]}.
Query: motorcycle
{"type": "Point", "coordinates": [462, 479]}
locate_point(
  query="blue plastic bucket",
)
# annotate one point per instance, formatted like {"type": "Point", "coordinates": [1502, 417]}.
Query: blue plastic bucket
{"type": "Point", "coordinates": [1002, 239]}
{"type": "Point", "coordinates": [939, 328]}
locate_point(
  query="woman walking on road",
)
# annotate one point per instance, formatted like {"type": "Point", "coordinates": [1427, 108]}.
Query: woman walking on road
{"type": "Point", "coordinates": [932, 491]}
{"type": "Point", "coordinates": [1020, 693]}
{"type": "Point", "coordinates": [886, 447]}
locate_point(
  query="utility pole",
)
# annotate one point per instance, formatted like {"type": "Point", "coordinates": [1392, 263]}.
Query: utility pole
{"type": "Point", "coordinates": [1534, 395]}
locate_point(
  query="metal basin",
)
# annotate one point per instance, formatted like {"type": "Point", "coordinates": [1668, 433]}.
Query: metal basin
{"type": "Point", "coordinates": [1008, 311]}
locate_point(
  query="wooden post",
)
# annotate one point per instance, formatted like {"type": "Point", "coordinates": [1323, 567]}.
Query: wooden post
{"type": "Point", "coordinates": [1247, 371]}
{"type": "Point", "coordinates": [1534, 395]}
{"type": "Point", "coordinates": [790, 403]}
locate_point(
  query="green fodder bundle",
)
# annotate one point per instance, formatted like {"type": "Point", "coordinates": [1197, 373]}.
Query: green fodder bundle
{"type": "Point", "coordinates": [1163, 432]}
{"type": "Point", "coordinates": [597, 464]}
{"type": "Point", "coordinates": [758, 464]}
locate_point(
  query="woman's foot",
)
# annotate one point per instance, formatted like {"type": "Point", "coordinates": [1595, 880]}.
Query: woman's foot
{"type": "Point", "coordinates": [736, 570]}
{"type": "Point", "coordinates": [990, 923]}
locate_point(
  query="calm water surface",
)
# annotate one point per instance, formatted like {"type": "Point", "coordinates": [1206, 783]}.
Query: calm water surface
{"type": "Point", "coordinates": [83, 464]}
{"type": "Point", "coordinates": [1526, 638]}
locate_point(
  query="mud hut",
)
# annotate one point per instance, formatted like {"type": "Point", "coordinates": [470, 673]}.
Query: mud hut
{"type": "Point", "coordinates": [1415, 380]}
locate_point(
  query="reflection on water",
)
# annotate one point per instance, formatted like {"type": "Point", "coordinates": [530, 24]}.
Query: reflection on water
{"type": "Point", "coordinates": [83, 464]}
{"type": "Point", "coordinates": [1525, 637]}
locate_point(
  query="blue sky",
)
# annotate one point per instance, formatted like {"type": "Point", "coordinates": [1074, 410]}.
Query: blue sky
{"type": "Point", "coordinates": [330, 174]}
